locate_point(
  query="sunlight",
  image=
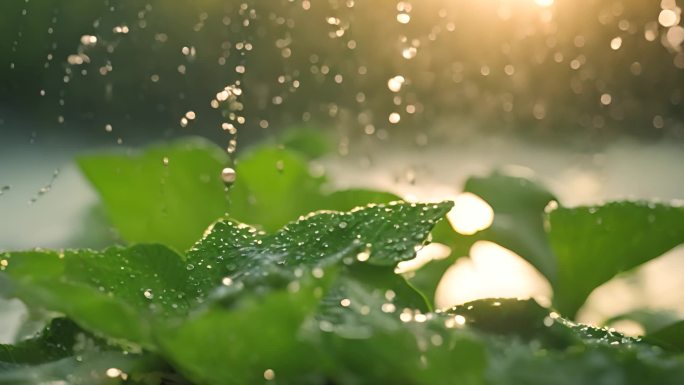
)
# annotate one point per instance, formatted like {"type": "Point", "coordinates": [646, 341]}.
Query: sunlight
{"type": "Point", "coordinates": [427, 253]}
{"type": "Point", "coordinates": [491, 272]}
{"type": "Point", "coordinates": [544, 3]}
{"type": "Point", "coordinates": [470, 214]}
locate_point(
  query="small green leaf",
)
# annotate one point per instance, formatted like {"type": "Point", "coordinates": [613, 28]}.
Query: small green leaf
{"type": "Point", "coordinates": [593, 244]}
{"type": "Point", "coordinates": [55, 342]}
{"type": "Point", "coordinates": [151, 201]}
{"type": "Point", "coordinates": [64, 352]}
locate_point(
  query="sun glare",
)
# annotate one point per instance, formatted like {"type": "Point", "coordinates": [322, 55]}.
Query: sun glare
{"type": "Point", "coordinates": [470, 214]}
{"type": "Point", "coordinates": [544, 3]}
{"type": "Point", "coordinates": [491, 272]}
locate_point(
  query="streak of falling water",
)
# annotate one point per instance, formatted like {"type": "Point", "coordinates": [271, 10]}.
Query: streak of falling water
{"type": "Point", "coordinates": [46, 188]}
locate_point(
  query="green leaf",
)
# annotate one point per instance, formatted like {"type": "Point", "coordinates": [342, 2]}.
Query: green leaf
{"type": "Point", "coordinates": [257, 328]}
{"type": "Point", "coordinates": [276, 185]}
{"type": "Point", "coordinates": [514, 362]}
{"type": "Point", "coordinates": [523, 318]}
{"type": "Point", "coordinates": [122, 292]}
{"type": "Point", "coordinates": [90, 368]}
{"type": "Point", "coordinates": [257, 331]}
{"type": "Point", "coordinates": [307, 141]}
{"type": "Point", "coordinates": [360, 327]}
{"type": "Point", "coordinates": [243, 344]}
{"type": "Point", "coordinates": [64, 352]}
{"type": "Point", "coordinates": [527, 320]}
{"type": "Point", "coordinates": [593, 244]}
{"type": "Point", "coordinates": [149, 201]}
{"type": "Point", "coordinates": [360, 289]}
{"type": "Point", "coordinates": [273, 186]}
{"type": "Point", "coordinates": [387, 233]}
{"type": "Point", "coordinates": [114, 292]}
{"type": "Point", "coordinates": [670, 337]}
{"type": "Point", "coordinates": [56, 341]}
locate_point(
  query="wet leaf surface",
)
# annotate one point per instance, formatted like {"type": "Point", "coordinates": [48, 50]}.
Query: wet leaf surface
{"type": "Point", "coordinates": [119, 291]}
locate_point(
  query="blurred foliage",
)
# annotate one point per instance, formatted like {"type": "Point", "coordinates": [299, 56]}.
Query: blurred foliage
{"type": "Point", "coordinates": [670, 337]}
{"type": "Point", "coordinates": [150, 201]}
{"type": "Point", "coordinates": [593, 244]}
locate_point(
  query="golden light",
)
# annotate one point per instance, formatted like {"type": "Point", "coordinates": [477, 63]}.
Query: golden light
{"type": "Point", "coordinates": [544, 3]}
{"type": "Point", "coordinates": [668, 18]}
{"type": "Point", "coordinates": [470, 214]}
{"type": "Point", "coordinates": [431, 252]}
{"type": "Point", "coordinates": [491, 272]}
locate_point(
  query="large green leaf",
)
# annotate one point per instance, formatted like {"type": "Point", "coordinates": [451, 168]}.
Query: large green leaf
{"type": "Point", "coordinates": [115, 291]}
{"type": "Point", "coordinates": [253, 338]}
{"type": "Point", "coordinates": [241, 339]}
{"type": "Point", "coordinates": [122, 291]}
{"type": "Point", "coordinates": [388, 234]}
{"type": "Point", "coordinates": [527, 344]}
{"type": "Point", "coordinates": [514, 362]}
{"type": "Point", "coordinates": [168, 194]}
{"type": "Point", "coordinates": [593, 244]}
{"type": "Point", "coordinates": [151, 200]}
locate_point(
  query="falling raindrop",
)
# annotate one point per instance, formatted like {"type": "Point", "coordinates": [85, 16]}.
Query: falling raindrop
{"type": "Point", "coordinates": [228, 175]}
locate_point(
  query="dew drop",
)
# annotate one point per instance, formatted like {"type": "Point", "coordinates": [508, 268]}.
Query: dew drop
{"type": "Point", "coordinates": [148, 294]}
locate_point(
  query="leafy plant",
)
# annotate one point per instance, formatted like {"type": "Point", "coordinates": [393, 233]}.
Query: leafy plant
{"type": "Point", "coordinates": [261, 298]}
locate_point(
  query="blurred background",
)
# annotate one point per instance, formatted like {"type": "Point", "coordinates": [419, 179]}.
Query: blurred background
{"type": "Point", "coordinates": [417, 96]}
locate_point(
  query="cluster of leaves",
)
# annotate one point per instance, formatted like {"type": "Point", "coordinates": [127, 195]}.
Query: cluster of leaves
{"type": "Point", "coordinates": [259, 299]}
